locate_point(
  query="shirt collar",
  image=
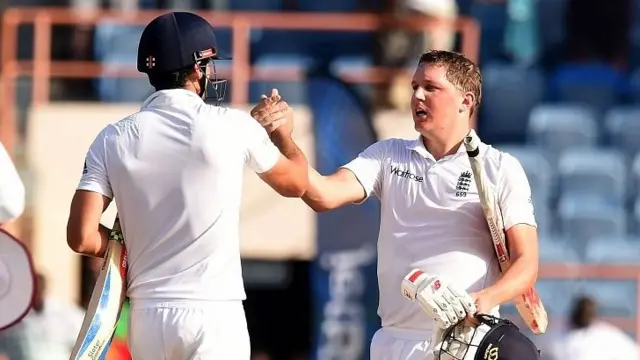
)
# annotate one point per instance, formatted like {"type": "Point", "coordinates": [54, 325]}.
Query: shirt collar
{"type": "Point", "coordinates": [418, 146]}
{"type": "Point", "coordinates": [170, 97]}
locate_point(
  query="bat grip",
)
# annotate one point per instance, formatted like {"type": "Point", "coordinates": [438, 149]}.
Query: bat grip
{"type": "Point", "coordinates": [471, 143]}
{"type": "Point", "coordinates": [473, 153]}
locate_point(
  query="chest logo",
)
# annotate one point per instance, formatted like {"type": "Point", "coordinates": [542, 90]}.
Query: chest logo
{"type": "Point", "coordinates": [405, 174]}
{"type": "Point", "coordinates": [464, 181]}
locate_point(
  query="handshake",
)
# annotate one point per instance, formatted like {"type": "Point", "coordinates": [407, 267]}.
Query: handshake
{"type": "Point", "coordinates": [274, 114]}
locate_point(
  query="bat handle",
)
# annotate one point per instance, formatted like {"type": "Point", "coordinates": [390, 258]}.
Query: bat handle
{"type": "Point", "coordinates": [472, 143]}
{"type": "Point", "coordinates": [116, 231]}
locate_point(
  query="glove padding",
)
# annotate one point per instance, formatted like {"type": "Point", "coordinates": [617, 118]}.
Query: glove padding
{"type": "Point", "coordinates": [443, 302]}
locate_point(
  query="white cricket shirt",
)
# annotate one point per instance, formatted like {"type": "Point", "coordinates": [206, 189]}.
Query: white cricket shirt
{"type": "Point", "coordinates": [431, 219]}
{"type": "Point", "coordinates": [175, 170]}
{"type": "Point", "coordinates": [12, 191]}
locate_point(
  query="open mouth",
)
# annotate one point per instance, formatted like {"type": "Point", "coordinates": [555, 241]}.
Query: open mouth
{"type": "Point", "coordinates": [421, 113]}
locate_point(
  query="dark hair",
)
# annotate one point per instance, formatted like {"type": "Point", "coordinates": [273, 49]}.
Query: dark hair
{"type": "Point", "coordinates": [583, 312]}
{"type": "Point", "coordinates": [461, 72]}
{"type": "Point", "coordinates": [173, 80]}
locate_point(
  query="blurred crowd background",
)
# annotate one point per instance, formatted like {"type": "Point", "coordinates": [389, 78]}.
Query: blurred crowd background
{"type": "Point", "coordinates": [561, 92]}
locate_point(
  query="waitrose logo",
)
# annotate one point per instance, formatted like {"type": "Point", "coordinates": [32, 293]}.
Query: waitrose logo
{"type": "Point", "coordinates": [405, 174]}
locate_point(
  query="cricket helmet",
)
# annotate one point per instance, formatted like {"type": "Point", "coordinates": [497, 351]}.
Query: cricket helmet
{"type": "Point", "coordinates": [176, 41]}
{"type": "Point", "coordinates": [502, 341]}
{"type": "Point", "coordinates": [17, 280]}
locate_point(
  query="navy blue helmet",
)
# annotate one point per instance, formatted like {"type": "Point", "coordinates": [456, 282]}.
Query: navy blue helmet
{"type": "Point", "coordinates": [177, 41]}
{"type": "Point", "coordinates": [502, 341]}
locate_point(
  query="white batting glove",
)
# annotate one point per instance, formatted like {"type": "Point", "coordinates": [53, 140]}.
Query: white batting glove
{"type": "Point", "coordinates": [443, 302]}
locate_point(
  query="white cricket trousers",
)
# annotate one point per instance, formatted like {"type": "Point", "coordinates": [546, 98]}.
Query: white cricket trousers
{"type": "Point", "coordinates": [211, 331]}
{"type": "Point", "coordinates": [393, 344]}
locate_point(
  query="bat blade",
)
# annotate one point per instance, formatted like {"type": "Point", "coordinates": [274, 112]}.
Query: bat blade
{"type": "Point", "coordinates": [106, 302]}
{"type": "Point", "coordinates": [529, 305]}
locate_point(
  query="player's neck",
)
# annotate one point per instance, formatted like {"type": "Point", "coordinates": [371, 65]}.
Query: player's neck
{"type": "Point", "coordinates": [190, 87]}
{"type": "Point", "coordinates": [441, 146]}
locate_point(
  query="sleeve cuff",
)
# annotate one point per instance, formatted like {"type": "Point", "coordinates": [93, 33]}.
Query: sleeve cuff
{"type": "Point", "coordinates": [97, 188]}
{"type": "Point", "coordinates": [367, 192]}
{"type": "Point", "coordinates": [512, 221]}
{"type": "Point", "coordinates": [266, 161]}
{"type": "Point", "coordinates": [263, 156]}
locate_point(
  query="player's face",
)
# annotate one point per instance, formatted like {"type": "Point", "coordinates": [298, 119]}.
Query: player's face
{"type": "Point", "coordinates": [204, 73]}
{"type": "Point", "coordinates": [435, 102]}
{"type": "Point", "coordinates": [210, 71]}
{"type": "Point", "coordinates": [209, 86]}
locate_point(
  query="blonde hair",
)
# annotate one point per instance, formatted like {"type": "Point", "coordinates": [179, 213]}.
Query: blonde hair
{"type": "Point", "coordinates": [460, 71]}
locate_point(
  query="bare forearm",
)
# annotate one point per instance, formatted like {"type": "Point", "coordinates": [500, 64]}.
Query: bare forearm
{"type": "Point", "coordinates": [329, 192]}
{"type": "Point", "coordinates": [294, 181]}
{"type": "Point", "coordinates": [515, 281]}
{"type": "Point", "coordinates": [94, 244]}
{"type": "Point", "coordinates": [289, 149]}
{"type": "Point", "coordinates": [315, 191]}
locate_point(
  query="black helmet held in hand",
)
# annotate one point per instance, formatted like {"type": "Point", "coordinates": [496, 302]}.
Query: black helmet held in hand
{"type": "Point", "coordinates": [503, 341]}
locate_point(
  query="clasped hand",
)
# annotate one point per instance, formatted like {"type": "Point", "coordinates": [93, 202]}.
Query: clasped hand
{"type": "Point", "coordinates": [273, 113]}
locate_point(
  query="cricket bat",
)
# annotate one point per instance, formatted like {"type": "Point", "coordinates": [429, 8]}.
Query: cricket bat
{"type": "Point", "coordinates": [528, 304]}
{"type": "Point", "coordinates": [106, 301]}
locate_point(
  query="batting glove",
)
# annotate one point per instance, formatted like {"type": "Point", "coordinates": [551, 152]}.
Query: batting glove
{"type": "Point", "coordinates": [443, 302]}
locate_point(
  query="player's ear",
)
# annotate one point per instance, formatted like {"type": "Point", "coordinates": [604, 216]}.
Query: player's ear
{"type": "Point", "coordinates": [194, 74]}
{"type": "Point", "coordinates": [467, 102]}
